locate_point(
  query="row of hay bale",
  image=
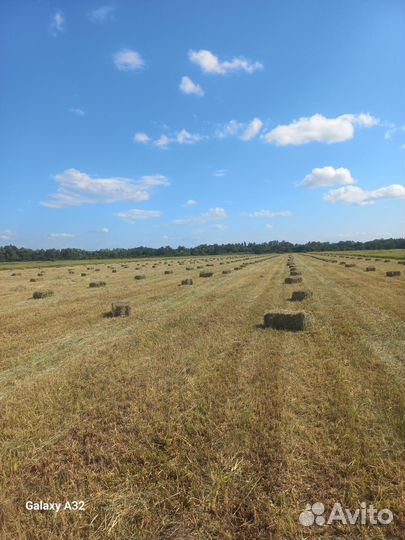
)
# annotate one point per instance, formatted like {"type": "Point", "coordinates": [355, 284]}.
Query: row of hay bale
{"type": "Point", "coordinates": [113, 269]}
{"type": "Point", "coordinates": [333, 258]}
{"type": "Point", "coordinates": [295, 321]}
{"type": "Point", "coordinates": [389, 273]}
{"type": "Point", "coordinates": [123, 308]}
{"type": "Point", "coordinates": [97, 284]}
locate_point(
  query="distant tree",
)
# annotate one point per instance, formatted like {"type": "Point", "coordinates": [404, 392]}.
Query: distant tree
{"type": "Point", "coordinates": [12, 253]}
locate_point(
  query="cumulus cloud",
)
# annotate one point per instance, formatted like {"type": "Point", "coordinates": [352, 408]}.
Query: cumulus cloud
{"type": "Point", "coordinates": [61, 235]}
{"type": "Point", "coordinates": [270, 214]}
{"type": "Point", "coordinates": [365, 120]}
{"type": "Point", "coordinates": [104, 230]}
{"type": "Point", "coordinates": [187, 86]}
{"type": "Point", "coordinates": [76, 188]}
{"type": "Point", "coordinates": [213, 214]}
{"type": "Point", "coordinates": [154, 180]}
{"type": "Point", "coordinates": [233, 128]}
{"type": "Point", "coordinates": [327, 176]}
{"type": "Point", "coordinates": [162, 142]}
{"type": "Point", "coordinates": [229, 130]}
{"type": "Point", "coordinates": [181, 137]}
{"type": "Point", "coordinates": [252, 129]}
{"type": "Point", "coordinates": [357, 196]}
{"type": "Point", "coordinates": [57, 24]}
{"type": "Point", "coordinates": [128, 60]}
{"type": "Point", "coordinates": [135, 215]}
{"type": "Point", "coordinates": [320, 129]}
{"type": "Point", "coordinates": [141, 138]}
{"type": "Point", "coordinates": [209, 63]}
{"type": "Point", "coordinates": [102, 14]}
{"type": "Point", "coordinates": [184, 137]}
{"type": "Point", "coordinates": [190, 202]}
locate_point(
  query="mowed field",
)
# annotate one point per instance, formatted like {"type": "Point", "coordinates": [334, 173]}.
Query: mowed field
{"type": "Point", "coordinates": [187, 419]}
{"type": "Point", "coordinates": [397, 254]}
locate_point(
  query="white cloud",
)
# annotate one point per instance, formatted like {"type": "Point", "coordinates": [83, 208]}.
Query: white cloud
{"type": "Point", "coordinates": [135, 215]}
{"type": "Point", "coordinates": [327, 176]}
{"type": "Point", "coordinates": [229, 130]}
{"type": "Point", "coordinates": [213, 214]}
{"type": "Point", "coordinates": [102, 14]}
{"type": "Point", "coordinates": [357, 196]}
{"type": "Point", "coordinates": [181, 137]}
{"type": "Point", "coordinates": [252, 129]}
{"type": "Point", "coordinates": [220, 172]}
{"type": "Point", "coordinates": [233, 129]}
{"type": "Point", "coordinates": [76, 188]}
{"type": "Point", "coordinates": [319, 128]}
{"type": "Point", "coordinates": [78, 111]}
{"type": "Point", "coordinates": [269, 226]}
{"type": "Point", "coordinates": [57, 24]}
{"type": "Point", "coordinates": [61, 235]}
{"type": "Point", "coordinates": [128, 60]}
{"type": "Point", "coordinates": [269, 214]}
{"type": "Point", "coordinates": [154, 180]}
{"type": "Point", "coordinates": [6, 234]}
{"type": "Point", "coordinates": [187, 86]}
{"type": "Point", "coordinates": [209, 63]}
{"type": "Point", "coordinates": [190, 202]}
{"type": "Point", "coordinates": [104, 230]}
{"type": "Point", "coordinates": [162, 142]}
{"type": "Point", "coordinates": [184, 137]}
{"type": "Point", "coordinates": [362, 119]}
{"type": "Point", "coordinates": [141, 138]}
{"type": "Point", "coordinates": [392, 130]}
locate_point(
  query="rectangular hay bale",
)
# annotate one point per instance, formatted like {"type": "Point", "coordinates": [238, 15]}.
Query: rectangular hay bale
{"type": "Point", "coordinates": [287, 320]}
{"type": "Point", "coordinates": [291, 280]}
{"type": "Point", "coordinates": [120, 309]}
{"type": "Point", "coordinates": [42, 294]}
{"type": "Point", "coordinates": [299, 296]}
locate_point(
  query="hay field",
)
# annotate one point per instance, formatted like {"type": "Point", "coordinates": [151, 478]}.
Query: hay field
{"type": "Point", "coordinates": [187, 419]}
{"type": "Point", "coordinates": [398, 254]}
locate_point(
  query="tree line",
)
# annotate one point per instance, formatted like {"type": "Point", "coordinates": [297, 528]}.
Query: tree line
{"type": "Point", "coordinates": [12, 253]}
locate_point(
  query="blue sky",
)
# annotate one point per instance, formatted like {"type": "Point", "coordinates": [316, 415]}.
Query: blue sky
{"type": "Point", "coordinates": [188, 122]}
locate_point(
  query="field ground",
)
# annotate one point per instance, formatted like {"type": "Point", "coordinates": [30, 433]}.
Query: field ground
{"type": "Point", "coordinates": [187, 419]}
{"type": "Point", "coordinates": [381, 253]}
{"type": "Point", "coordinates": [17, 266]}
